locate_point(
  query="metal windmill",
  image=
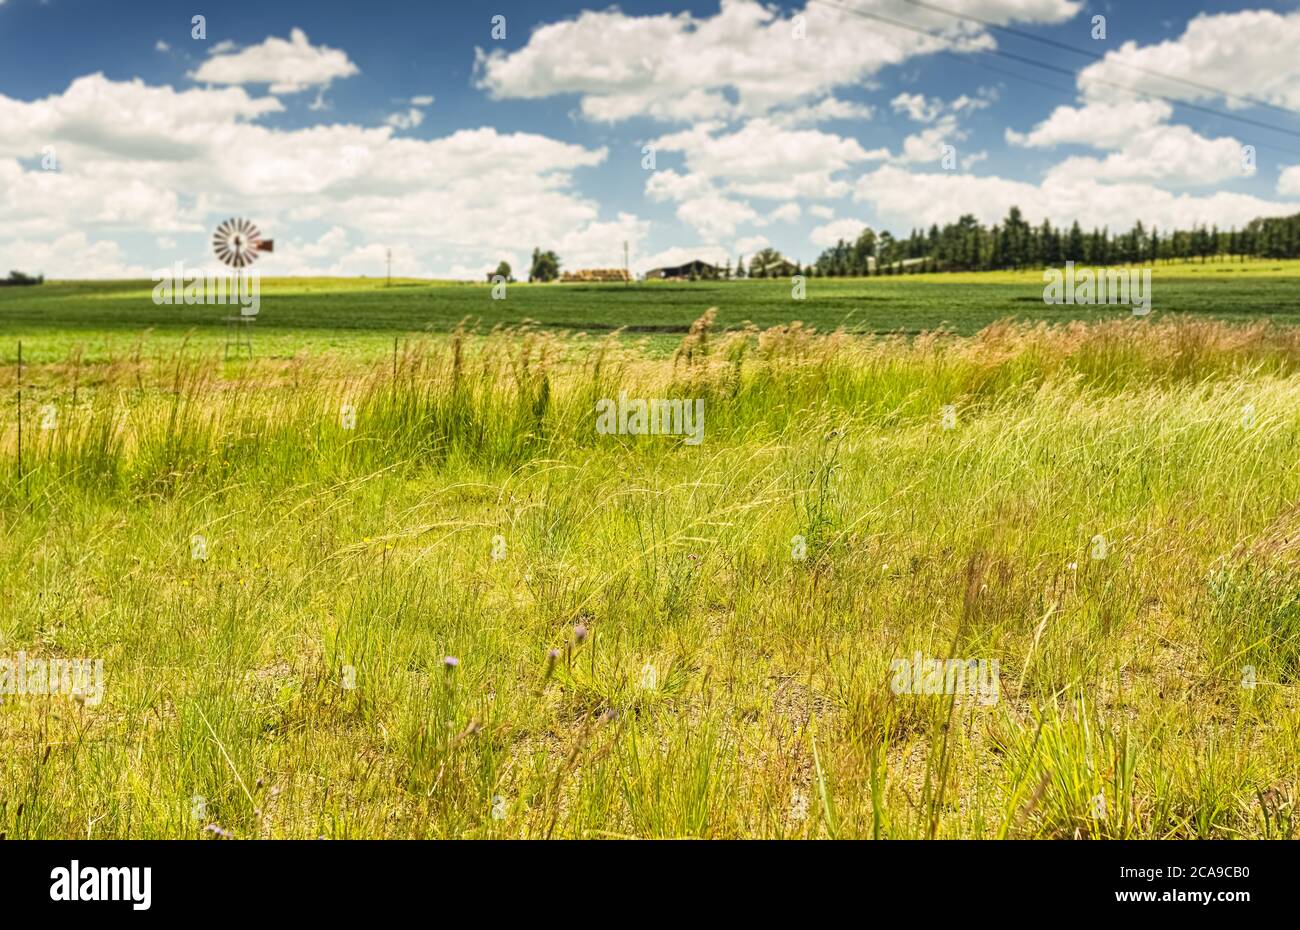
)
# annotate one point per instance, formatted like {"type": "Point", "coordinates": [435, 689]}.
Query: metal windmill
{"type": "Point", "coordinates": [238, 243]}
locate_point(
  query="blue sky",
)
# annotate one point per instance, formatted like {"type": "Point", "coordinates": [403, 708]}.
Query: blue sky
{"type": "Point", "coordinates": [124, 139]}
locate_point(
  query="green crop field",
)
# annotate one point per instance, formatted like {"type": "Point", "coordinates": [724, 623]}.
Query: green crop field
{"type": "Point", "coordinates": [359, 316]}
{"type": "Point", "coordinates": [392, 577]}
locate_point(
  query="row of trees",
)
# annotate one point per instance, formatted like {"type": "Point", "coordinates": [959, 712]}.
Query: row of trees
{"type": "Point", "coordinates": [545, 267]}
{"type": "Point", "coordinates": [966, 245]}
{"type": "Point", "coordinates": [19, 279]}
{"type": "Point", "coordinates": [768, 263]}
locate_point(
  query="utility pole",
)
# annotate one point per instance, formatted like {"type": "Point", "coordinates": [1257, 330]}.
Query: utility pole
{"type": "Point", "coordinates": [20, 417]}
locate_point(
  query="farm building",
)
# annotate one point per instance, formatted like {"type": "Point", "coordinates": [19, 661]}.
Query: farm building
{"type": "Point", "coordinates": [589, 275]}
{"type": "Point", "coordinates": [692, 269]}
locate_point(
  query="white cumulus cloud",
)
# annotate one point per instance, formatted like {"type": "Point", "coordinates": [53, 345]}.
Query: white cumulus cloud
{"type": "Point", "coordinates": [138, 162]}
{"type": "Point", "coordinates": [746, 60]}
{"type": "Point", "coordinates": [828, 234]}
{"type": "Point", "coordinates": [288, 66]}
{"type": "Point", "coordinates": [1247, 53]}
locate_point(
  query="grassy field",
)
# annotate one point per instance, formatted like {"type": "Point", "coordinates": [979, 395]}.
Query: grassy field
{"type": "Point", "coordinates": [473, 615]}
{"type": "Point", "coordinates": [101, 321]}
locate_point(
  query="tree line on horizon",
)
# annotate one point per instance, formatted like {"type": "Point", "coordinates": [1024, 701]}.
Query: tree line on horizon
{"type": "Point", "coordinates": [968, 245]}
{"type": "Point", "coordinates": [20, 279]}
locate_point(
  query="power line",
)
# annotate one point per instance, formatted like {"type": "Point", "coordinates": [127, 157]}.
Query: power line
{"type": "Point", "coordinates": [1074, 49]}
{"type": "Point", "coordinates": [1171, 100]}
{"type": "Point", "coordinates": [1065, 71]}
{"type": "Point", "coordinates": [967, 60]}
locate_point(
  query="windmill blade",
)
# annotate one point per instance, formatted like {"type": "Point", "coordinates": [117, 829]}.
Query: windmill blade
{"type": "Point", "coordinates": [238, 242]}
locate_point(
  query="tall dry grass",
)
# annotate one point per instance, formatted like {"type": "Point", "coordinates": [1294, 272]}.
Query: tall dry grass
{"type": "Point", "coordinates": [676, 640]}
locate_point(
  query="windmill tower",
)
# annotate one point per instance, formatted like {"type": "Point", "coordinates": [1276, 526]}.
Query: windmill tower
{"type": "Point", "coordinates": [238, 243]}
